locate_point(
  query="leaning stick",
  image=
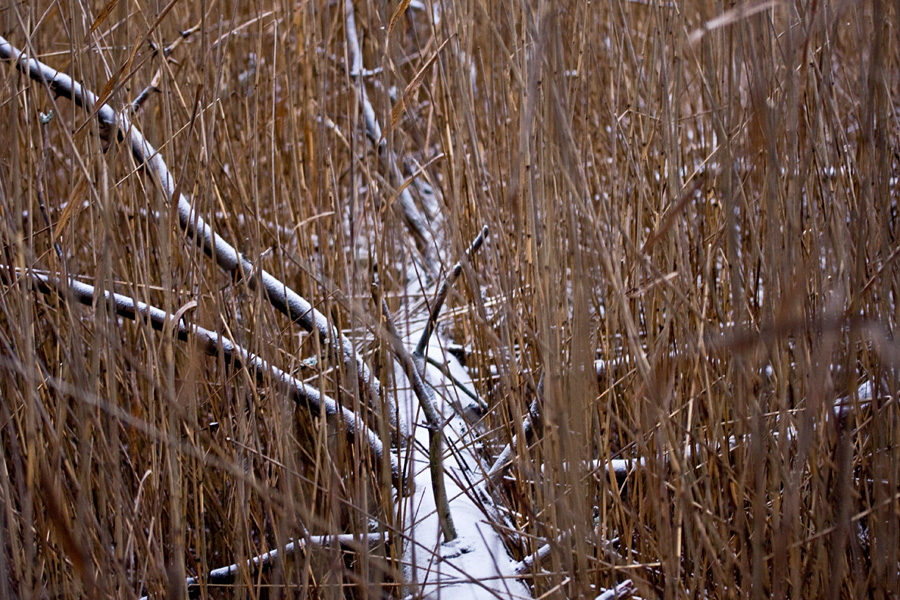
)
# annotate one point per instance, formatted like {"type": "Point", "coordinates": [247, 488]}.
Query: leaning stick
{"type": "Point", "coordinates": [212, 343]}
{"type": "Point", "coordinates": [435, 425]}
{"type": "Point", "coordinates": [441, 297]}
{"type": "Point", "coordinates": [282, 298]}
{"type": "Point", "coordinates": [414, 367]}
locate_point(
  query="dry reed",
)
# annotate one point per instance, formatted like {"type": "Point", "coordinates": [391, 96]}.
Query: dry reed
{"type": "Point", "coordinates": [703, 195]}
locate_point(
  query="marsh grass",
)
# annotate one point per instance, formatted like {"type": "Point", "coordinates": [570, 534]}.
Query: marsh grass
{"type": "Point", "coordinates": [702, 195]}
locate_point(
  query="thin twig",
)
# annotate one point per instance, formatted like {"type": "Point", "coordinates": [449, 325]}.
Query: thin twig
{"type": "Point", "coordinates": [441, 297]}
{"type": "Point", "coordinates": [42, 170]}
{"type": "Point", "coordinates": [445, 370]}
{"type": "Point", "coordinates": [152, 88]}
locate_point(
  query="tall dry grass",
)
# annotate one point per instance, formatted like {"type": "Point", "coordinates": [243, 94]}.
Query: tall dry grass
{"type": "Point", "coordinates": [703, 195]}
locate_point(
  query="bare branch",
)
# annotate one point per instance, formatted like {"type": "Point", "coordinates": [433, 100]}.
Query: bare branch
{"type": "Point", "coordinates": [533, 423]}
{"type": "Point", "coordinates": [626, 589]}
{"type": "Point", "coordinates": [152, 88]}
{"type": "Point", "coordinates": [282, 298]}
{"type": "Point", "coordinates": [411, 214]}
{"type": "Point", "coordinates": [213, 343]}
{"type": "Point", "coordinates": [266, 561]}
{"type": "Point", "coordinates": [435, 425]}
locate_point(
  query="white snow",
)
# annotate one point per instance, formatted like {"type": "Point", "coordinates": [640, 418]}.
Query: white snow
{"type": "Point", "coordinates": [476, 564]}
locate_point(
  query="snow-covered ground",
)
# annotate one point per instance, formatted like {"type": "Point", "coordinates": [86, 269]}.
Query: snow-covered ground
{"type": "Point", "coordinates": [476, 564]}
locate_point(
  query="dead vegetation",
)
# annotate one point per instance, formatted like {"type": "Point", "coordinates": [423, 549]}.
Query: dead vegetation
{"type": "Point", "coordinates": [693, 217]}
